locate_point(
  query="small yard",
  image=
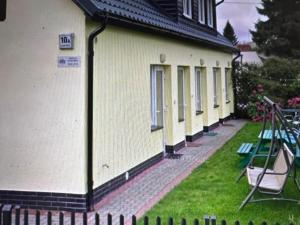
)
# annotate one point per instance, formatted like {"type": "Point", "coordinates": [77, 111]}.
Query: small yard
{"type": "Point", "coordinates": [211, 190]}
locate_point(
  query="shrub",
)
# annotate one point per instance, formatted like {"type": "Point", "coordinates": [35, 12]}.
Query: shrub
{"type": "Point", "coordinates": [278, 78]}
{"type": "Point", "coordinates": [294, 102]}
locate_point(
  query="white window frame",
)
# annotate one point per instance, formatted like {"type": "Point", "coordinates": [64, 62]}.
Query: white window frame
{"type": "Point", "coordinates": [201, 11]}
{"type": "Point", "coordinates": [187, 11]}
{"type": "Point", "coordinates": [154, 110]}
{"type": "Point", "coordinates": [198, 90]}
{"type": "Point", "coordinates": [210, 13]}
{"type": "Point", "coordinates": [215, 87]}
{"type": "Point", "coordinates": [227, 81]}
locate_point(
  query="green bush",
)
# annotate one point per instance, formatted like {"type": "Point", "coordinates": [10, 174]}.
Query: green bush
{"type": "Point", "coordinates": [278, 77]}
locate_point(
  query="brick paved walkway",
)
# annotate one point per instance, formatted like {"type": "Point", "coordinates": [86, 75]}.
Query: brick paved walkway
{"type": "Point", "coordinates": [144, 191]}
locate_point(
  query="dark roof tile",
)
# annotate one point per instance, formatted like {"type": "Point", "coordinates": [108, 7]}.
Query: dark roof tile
{"type": "Point", "coordinates": [143, 11]}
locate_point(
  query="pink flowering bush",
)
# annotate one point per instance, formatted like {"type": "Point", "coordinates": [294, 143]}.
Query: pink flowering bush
{"type": "Point", "coordinates": [255, 107]}
{"type": "Point", "coordinates": [294, 102]}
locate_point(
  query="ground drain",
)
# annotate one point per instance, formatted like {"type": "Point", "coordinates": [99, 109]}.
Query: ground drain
{"type": "Point", "coordinates": [193, 145]}
{"type": "Point", "coordinates": [211, 134]}
{"type": "Point", "coordinates": [174, 156]}
{"type": "Point", "coordinates": [228, 125]}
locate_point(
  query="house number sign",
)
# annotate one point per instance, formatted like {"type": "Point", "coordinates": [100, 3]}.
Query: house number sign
{"type": "Point", "coordinates": [66, 41]}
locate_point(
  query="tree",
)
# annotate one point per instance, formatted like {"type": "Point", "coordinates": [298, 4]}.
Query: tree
{"type": "Point", "coordinates": [229, 33]}
{"type": "Point", "coordinates": [279, 34]}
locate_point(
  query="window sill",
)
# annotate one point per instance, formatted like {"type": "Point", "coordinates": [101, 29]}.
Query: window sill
{"type": "Point", "coordinates": [202, 23]}
{"type": "Point", "coordinates": [199, 113]}
{"type": "Point", "coordinates": [187, 16]}
{"type": "Point", "coordinates": [228, 101]}
{"type": "Point", "coordinates": [156, 128]}
{"type": "Point", "coordinates": [216, 106]}
{"type": "Point", "coordinates": [181, 120]}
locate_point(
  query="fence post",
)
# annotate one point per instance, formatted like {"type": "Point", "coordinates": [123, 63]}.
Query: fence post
{"type": "Point", "coordinates": [133, 222]}
{"type": "Point", "coordinates": [171, 222]}
{"type": "Point", "coordinates": [0, 214]}
{"type": "Point", "coordinates": [84, 218]}
{"type": "Point", "coordinates": [196, 222]}
{"type": "Point", "coordinates": [183, 221]}
{"type": "Point", "coordinates": [6, 211]}
{"type": "Point", "coordinates": [121, 220]}
{"type": "Point", "coordinates": [61, 218]}
{"type": "Point", "coordinates": [73, 218]}
{"type": "Point", "coordinates": [223, 222]}
{"type": "Point", "coordinates": [97, 219]}
{"type": "Point", "coordinates": [206, 220]}
{"type": "Point", "coordinates": [213, 220]}
{"type": "Point", "coordinates": [49, 218]}
{"type": "Point", "coordinates": [25, 217]}
{"type": "Point", "coordinates": [37, 218]}
{"type": "Point", "coordinates": [146, 220]}
{"type": "Point", "coordinates": [158, 221]}
{"type": "Point", "coordinates": [109, 219]}
{"type": "Point", "coordinates": [18, 212]}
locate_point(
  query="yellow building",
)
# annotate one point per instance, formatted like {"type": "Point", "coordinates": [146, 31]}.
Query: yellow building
{"type": "Point", "coordinates": [95, 92]}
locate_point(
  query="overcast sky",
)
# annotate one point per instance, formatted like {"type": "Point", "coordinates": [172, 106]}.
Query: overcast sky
{"type": "Point", "coordinates": [242, 15]}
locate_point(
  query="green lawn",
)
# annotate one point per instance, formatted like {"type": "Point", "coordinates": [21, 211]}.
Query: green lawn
{"type": "Point", "coordinates": [211, 190]}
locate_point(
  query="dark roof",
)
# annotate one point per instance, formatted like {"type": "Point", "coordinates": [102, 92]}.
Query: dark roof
{"type": "Point", "coordinates": [145, 13]}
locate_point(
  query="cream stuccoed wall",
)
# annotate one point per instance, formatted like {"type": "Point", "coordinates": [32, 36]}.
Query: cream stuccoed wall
{"type": "Point", "coordinates": [122, 134]}
{"type": "Point", "coordinates": [42, 116]}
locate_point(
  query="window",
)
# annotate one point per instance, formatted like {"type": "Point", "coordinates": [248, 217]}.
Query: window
{"type": "Point", "coordinates": [215, 87]}
{"type": "Point", "coordinates": [198, 90]}
{"type": "Point", "coordinates": [210, 13]}
{"type": "Point", "coordinates": [181, 96]}
{"type": "Point", "coordinates": [227, 81]}
{"type": "Point", "coordinates": [187, 8]}
{"type": "Point", "coordinates": [157, 74]}
{"type": "Point", "coordinates": [201, 11]}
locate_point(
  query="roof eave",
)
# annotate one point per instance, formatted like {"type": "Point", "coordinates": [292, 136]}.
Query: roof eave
{"type": "Point", "coordinates": [125, 21]}
{"type": "Point", "coordinates": [96, 15]}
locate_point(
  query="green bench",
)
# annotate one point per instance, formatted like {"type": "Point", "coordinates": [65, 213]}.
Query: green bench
{"type": "Point", "coordinates": [298, 153]}
{"type": "Point", "coordinates": [245, 149]}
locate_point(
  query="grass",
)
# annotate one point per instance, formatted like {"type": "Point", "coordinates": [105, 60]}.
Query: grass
{"type": "Point", "coordinates": [211, 190]}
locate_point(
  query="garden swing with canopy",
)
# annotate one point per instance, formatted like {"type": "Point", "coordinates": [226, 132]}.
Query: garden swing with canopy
{"type": "Point", "coordinates": [272, 177]}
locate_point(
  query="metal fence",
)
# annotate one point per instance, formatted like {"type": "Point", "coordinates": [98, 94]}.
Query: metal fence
{"type": "Point", "coordinates": [8, 216]}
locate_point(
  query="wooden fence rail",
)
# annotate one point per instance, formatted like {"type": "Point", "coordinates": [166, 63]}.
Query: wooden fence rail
{"type": "Point", "coordinates": [7, 213]}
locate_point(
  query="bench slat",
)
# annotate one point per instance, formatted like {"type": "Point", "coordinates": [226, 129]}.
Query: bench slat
{"type": "Point", "coordinates": [245, 148]}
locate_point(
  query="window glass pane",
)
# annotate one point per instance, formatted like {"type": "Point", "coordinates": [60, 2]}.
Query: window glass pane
{"type": "Point", "coordinates": [159, 98]}
{"type": "Point", "coordinates": [187, 7]}
{"type": "Point", "coordinates": [180, 94]}
{"type": "Point", "coordinates": [184, 7]}
{"type": "Point", "coordinates": [210, 12]}
{"type": "Point", "coordinates": [227, 77]}
{"type": "Point", "coordinates": [201, 11]}
{"type": "Point", "coordinates": [153, 98]}
{"type": "Point", "coordinates": [215, 87]}
{"type": "Point", "coordinates": [198, 90]}
{"type": "Point", "coordinates": [156, 97]}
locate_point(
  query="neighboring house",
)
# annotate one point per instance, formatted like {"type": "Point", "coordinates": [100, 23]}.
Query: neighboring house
{"type": "Point", "coordinates": [249, 54]}
{"type": "Point", "coordinates": [76, 123]}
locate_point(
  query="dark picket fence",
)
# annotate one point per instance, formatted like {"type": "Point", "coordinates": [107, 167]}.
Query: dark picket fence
{"type": "Point", "coordinates": [7, 213]}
